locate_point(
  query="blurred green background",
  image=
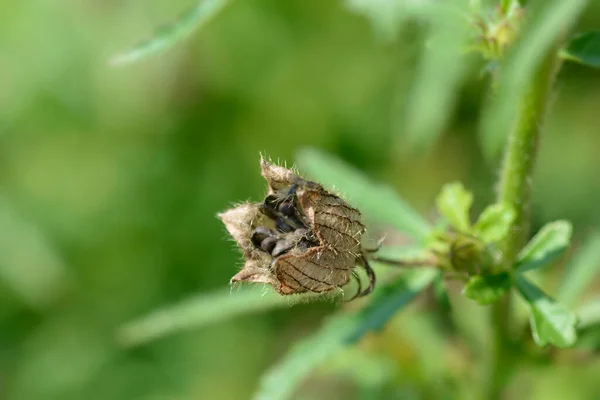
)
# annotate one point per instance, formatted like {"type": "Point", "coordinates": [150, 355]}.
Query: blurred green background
{"type": "Point", "coordinates": [111, 179]}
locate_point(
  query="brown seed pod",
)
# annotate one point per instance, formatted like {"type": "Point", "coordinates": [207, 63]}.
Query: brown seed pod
{"type": "Point", "coordinates": [300, 239]}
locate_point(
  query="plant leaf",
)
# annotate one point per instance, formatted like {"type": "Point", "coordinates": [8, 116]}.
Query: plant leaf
{"type": "Point", "coordinates": [547, 245]}
{"type": "Point", "coordinates": [589, 314]}
{"type": "Point", "coordinates": [378, 201]}
{"type": "Point", "coordinates": [494, 223]}
{"type": "Point", "coordinates": [441, 294]}
{"type": "Point", "coordinates": [580, 271]}
{"type": "Point", "coordinates": [506, 5]}
{"type": "Point", "coordinates": [29, 265]}
{"type": "Point", "coordinates": [438, 80]}
{"type": "Point", "coordinates": [584, 49]}
{"type": "Point", "coordinates": [551, 322]}
{"type": "Point", "coordinates": [454, 203]}
{"type": "Point", "coordinates": [197, 311]}
{"type": "Point", "coordinates": [547, 19]}
{"type": "Point", "coordinates": [386, 17]}
{"type": "Point", "coordinates": [339, 331]}
{"type": "Point", "coordinates": [169, 35]}
{"type": "Point", "coordinates": [486, 289]}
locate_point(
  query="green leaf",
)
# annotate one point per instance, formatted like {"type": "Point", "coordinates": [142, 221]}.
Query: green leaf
{"type": "Point", "coordinates": [198, 311]}
{"type": "Point", "coordinates": [424, 337]}
{"type": "Point", "coordinates": [589, 314]}
{"type": "Point", "coordinates": [547, 20]}
{"type": "Point", "coordinates": [581, 270]}
{"type": "Point", "coordinates": [584, 49]}
{"type": "Point", "coordinates": [454, 203]}
{"type": "Point", "coordinates": [169, 35]}
{"type": "Point", "coordinates": [386, 17]}
{"type": "Point", "coordinates": [589, 339]}
{"type": "Point", "coordinates": [486, 289]}
{"type": "Point", "coordinates": [442, 69]}
{"type": "Point", "coordinates": [339, 331]}
{"type": "Point", "coordinates": [377, 201]}
{"type": "Point", "coordinates": [29, 264]}
{"type": "Point", "coordinates": [494, 223]}
{"type": "Point", "coordinates": [440, 293]}
{"type": "Point", "coordinates": [361, 366]}
{"type": "Point", "coordinates": [551, 322]}
{"type": "Point", "coordinates": [547, 245]}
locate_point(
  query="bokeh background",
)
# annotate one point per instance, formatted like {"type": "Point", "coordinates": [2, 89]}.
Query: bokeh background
{"type": "Point", "coordinates": [111, 179]}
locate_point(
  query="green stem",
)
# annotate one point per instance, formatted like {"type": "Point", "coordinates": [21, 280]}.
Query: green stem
{"type": "Point", "coordinates": [515, 191]}
{"type": "Point", "coordinates": [521, 154]}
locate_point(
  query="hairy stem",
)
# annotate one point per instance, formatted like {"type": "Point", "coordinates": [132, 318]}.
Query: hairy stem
{"type": "Point", "coordinates": [515, 190]}
{"type": "Point", "coordinates": [521, 154]}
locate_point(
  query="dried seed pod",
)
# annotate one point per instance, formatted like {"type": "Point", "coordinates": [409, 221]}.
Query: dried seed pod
{"type": "Point", "coordinates": [300, 239]}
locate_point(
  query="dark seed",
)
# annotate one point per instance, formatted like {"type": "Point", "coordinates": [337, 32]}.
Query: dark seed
{"type": "Point", "coordinates": [269, 207]}
{"type": "Point", "coordinates": [261, 233]}
{"type": "Point", "coordinates": [281, 247]}
{"type": "Point", "coordinates": [268, 244]}
{"type": "Point", "coordinates": [283, 226]}
{"type": "Point", "coordinates": [292, 191]}
{"type": "Point", "coordinates": [287, 209]}
{"type": "Point", "coordinates": [306, 241]}
{"type": "Point", "coordinates": [303, 244]}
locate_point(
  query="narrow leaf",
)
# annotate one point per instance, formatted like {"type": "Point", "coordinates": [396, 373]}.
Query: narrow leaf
{"type": "Point", "coordinates": [378, 201]}
{"type": "Point", "coordinates": [487, 289]}
{"type": "Point", "coordinates": [551, 322]}
{"type": "Point", "coordinates": [547, 245]}
{"type": "Point", "coordinates": [339, 331]}
{"type": "Point", "coordinates": [494, 223]}
{"type": "Point", "coordinates": [454, 203]}
{"type": "Point", "coordinates": [584, 49]}
{"type": "Point", "coordinates": [581, 270]}
{"type": "Point", "coordinates": [364, 368]}
{"type": "Point", "coordinates": [195, 312]}
{"type": "Point", "coordinates": [437, 82]}
{"type": "Point", "coordinates": [29, 265]}
{"type": "Point", "coordinates": [169, 35]}
{"type": "Point", "coordinates": [386, 17]}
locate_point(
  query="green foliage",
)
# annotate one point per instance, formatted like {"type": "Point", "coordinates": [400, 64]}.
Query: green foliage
{"type": "Point", "coordinates": [169, 35]}
{"type": "Point", "coordinates": [506, 5]}
{"type": "Point", "coordinates": [547, 245]}
{"type": "Point", "coordinates": [454, 203]}
{"type": "Point", "coordinates": [443, 67]}
{"type": "Point", "coordinates": [551, 322]}
{"type": "Point", "coordinates": [581, 270]}
{"type": "Point", "coordinates": [441, 294]}
{"type": "Point", "coordinates": [487, 289]}
{"type": "Point", "coordinates": [584, 49]}
{"type": "Point", "coordinates": [545, 23]}
{"type": "Point", "coordinates": [386, 17]}
{"type": "Point", "coordinates": [111, 181]}
{"type": "Point", "coordinates": [340, 331]}
{"type": "Point", "coordinates": [588, 315]}
{"type": "Point", "coordinates": [471, 249]}
{"type": "Point", "coordinates": [494, 223]}
{"type": "Point", "coordinates": [588, 327]}
{"type": "Point", "coordinates": [29, 265]}
{"type": "Point", "coordinates": [377, 201]}
{"type": "Point", "coordinates": [198, 311]}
